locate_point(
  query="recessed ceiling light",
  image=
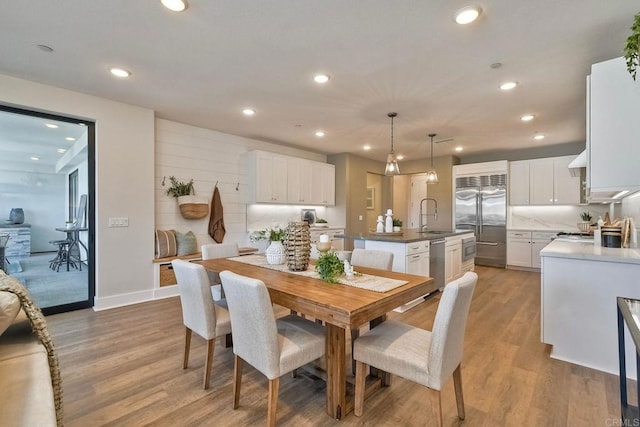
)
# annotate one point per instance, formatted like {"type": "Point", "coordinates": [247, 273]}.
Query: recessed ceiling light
{"type": "Point", "coordinates": [320, 133]}
{"type": "Point", "coordinates": [508, 85]}
{"type": "Point", "coordinates": [35, 158]}
{"type": "Point", "coordinates": [468, 14]}
{"type": "Point", "coordinates": [119, 72]}
{"type": "Point", "coordinates": [399, 157]}
{"type": "Point", "coordinates": [248, 111]}
{"type": "Point", "coordinates": [61, 150]}
{"type": "Point", "coordinates": [70, 139]}
{"type": "Point", "coordinates": [459, 149]}
{"type": "Point", "coordinates": [321, 78]}
{"type": "Point", "coordinates": [539, 137]}
{"type": "Point", "coordinates": [174, 5]}
{"type": "Point", "coordinates": [527, 117]}
{"type": "Point", "coordinates": [366, 147]}
{"type": "Point", "coordinates": [51, 125]}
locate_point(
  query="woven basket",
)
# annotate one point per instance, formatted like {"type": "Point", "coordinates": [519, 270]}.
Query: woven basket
{"type": "Point", "coordinates": [297, 242]}
{"type": "Point", "coordinates": [193, 207]}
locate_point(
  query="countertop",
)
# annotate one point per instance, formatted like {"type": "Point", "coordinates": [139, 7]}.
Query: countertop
{"type": "Point", "coordinates": [587, 251]}
{"type": "Point", "coordinates": [408, 236]}
{"type": "Point", "coordinates": [5, 225]}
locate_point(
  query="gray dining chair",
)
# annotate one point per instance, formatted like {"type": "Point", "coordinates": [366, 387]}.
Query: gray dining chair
{"type": "Point", "coordinates": [273, 347]}
{"type": "Point", "coordinates": [382, 260]}
{"type": "Point", "coordinates": [213, 251]}
{"type": "Point", "coordinates": [200, 314]}
{"type": "Point", "coordinates": [428, 358]}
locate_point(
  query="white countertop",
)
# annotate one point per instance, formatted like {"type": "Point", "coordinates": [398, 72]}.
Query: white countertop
{"type": "Point", "coordinates": [587, 251]}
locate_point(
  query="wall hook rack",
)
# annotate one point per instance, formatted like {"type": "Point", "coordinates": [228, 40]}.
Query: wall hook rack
{"type": "Point", "coordinates": [238, 186]}
{"type": "Point", "coordinates": [163, 178]}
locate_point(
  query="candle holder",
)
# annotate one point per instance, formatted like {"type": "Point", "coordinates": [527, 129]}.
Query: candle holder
{"type": "Point", "coordinates": [323, 247]}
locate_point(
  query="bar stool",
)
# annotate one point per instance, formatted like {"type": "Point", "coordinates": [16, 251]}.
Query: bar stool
{"type": "Point", "coordinates": [62, 255]}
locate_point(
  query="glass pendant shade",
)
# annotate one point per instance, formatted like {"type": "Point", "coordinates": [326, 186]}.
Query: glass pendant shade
{"type": "Point", "coordinates": [432, 176]}
{"type": "Point", "coordinates": [392, 167]}
{"type": "Point", "coordinates": [392, 162]}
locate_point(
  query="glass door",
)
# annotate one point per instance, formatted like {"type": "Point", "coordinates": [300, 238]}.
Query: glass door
{"type": "Point", "coordinates": [47, 174]}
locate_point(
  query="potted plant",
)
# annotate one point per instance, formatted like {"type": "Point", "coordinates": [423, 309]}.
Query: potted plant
{"type": "Point", "coordinates": [397, 225]}
{"type": "Point", "coordinates": [320, 222]}
{"type": "Point", "coordinates": [329, 267]}
{"type": "Point", "coordinates": [275, 253]}
{"type": "Point", "coordinates": [191, 206]}
{"type": "Point", "coordinates": [585, 225]}
{"type": "Point", "coordinates": [632, 47]}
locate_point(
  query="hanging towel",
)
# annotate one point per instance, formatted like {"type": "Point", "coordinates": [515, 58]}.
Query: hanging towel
{"type": "Point", "coordinates": [216, 221]}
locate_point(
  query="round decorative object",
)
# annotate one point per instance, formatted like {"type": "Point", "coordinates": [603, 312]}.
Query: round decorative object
{"type": "Point", "coordinates": [275, 253]}
{"type": "Point", "coordinates": [297, 242]}
{"type": "Point", "coordinates": [17, 215]}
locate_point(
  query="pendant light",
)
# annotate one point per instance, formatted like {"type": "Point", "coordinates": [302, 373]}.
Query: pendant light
{"type": "Point", "coordinates": [432, 176]}
{"type": "Point", "coordinates": [392, 162]}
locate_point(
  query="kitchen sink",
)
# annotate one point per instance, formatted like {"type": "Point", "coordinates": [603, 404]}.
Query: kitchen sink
{"type": "Point", "coordinates": [435, 232]}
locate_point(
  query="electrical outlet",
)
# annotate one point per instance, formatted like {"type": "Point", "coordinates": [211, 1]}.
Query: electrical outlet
{"type": "Point", "coordinates": [360, 217]}
{"type": "Point", "coordinates": [118, 222]}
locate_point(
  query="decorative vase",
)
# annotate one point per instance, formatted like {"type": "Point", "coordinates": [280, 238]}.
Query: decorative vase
{"type": "Point", "coordinates": [396, 229]}
{"type": "Point", "coordinates": [16, 215]}
{"type": "Point", "coordinates": [276, 254]}
{"type": "Point", "coordinates": [297, 241]}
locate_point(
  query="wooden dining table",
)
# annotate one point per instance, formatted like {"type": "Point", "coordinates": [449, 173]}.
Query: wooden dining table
{"type": "Point", "coordinates": [340, 307]}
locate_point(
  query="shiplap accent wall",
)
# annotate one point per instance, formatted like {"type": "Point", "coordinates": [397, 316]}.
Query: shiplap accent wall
{"type": "Point", "coordinates": [208, 156]}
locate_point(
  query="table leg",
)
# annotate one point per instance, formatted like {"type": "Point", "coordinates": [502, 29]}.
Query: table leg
{"type": "Point", "coordinates": [336, 375]}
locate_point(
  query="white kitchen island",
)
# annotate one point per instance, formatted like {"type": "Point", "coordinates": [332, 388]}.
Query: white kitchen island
{"type": "Point", "coordinates": [580, 283]}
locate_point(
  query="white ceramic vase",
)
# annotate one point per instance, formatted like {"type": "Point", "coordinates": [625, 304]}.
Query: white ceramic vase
{"type": "Point", "coordinates": [275, 253]}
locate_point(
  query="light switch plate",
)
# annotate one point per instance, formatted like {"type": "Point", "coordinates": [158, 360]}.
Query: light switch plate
{"type": "Point", "coordinates": [118, 222]}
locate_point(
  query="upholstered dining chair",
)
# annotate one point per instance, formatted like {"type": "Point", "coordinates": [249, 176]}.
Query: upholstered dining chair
{"type": "Point", "coordinates": [382, 260]}
{"type": "Point", "coordinates": [219, 250]}
{"type": "Point", "coordinates": [371, 258]}
{"type": "Point", "coordinates": [427, 358]}
{"type": "Point", "coordinates": [200, 314]}
{"type": "Point", "coordinates": [273, 347]}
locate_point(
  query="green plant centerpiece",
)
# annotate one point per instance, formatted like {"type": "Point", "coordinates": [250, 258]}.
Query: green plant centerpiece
{"type": "Point", "coordinates": [179, 188]}
{"type": "Point", "coordinates": [321, 221]}
{"type": "Point", "coordinates": [586, 217]}
{"type": "Point", "coordinates": [631, 49]}
{"type": "Point", "coordinates": [397, 222]}
{"type": "Point", "coordinates": [273, 233]}
{"type": "Point", "coordinates": [329, 267]}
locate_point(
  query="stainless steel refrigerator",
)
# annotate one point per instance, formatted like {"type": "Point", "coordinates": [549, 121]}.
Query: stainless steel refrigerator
{"type": "Point", "coordinates": [481, 206]}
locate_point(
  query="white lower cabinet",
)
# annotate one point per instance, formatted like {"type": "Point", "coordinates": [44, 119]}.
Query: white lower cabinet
{"type": "Point", "coordinates": [523, 247]}
{"type": "Point", "coordinates": [453, 259]}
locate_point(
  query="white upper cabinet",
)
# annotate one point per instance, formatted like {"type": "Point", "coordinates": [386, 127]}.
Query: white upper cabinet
{"type": "Point", "coordinates": [519, 183]}
{"type": "Point", "coordinates": [274, 178]}
{"type": "Point", "coordinates": [543, 182]}
{"type": "Point", "coordinates": [614, 128]}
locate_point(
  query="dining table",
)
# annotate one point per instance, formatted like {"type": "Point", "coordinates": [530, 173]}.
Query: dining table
{"type": "Point", "coordinates": [340, 307]}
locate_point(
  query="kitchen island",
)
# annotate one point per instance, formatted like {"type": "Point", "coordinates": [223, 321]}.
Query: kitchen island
{"type": "Point", "coordinates": [420, 253]}
{"type": "Point", "coordinates": [579, 286]}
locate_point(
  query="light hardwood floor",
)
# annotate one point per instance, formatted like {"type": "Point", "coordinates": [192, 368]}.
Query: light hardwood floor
{"type": "Point", "coordinates": [124, 367]}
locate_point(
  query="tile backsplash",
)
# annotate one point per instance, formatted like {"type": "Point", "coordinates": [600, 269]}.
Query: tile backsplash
{"type": "Point", "coordinates": [552, 218]}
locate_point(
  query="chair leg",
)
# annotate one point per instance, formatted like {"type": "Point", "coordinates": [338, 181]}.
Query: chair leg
{"type": "Point", "coordinates": [274, 385]}
{"type": "Point", "coordinates": [355, 333]}
{"type": "Point", "coordinates": [209, 361]}
{"type": "Point", "coordinates": [361, 377]}
{"type": "Point", "coordinates": [237, 379]}
{"type": "Point", "coordinates": [187, 347]}
{"type": "Point", "coordinates": [457, 384]}
{"type": "Point", "coordinates": [436, 403]}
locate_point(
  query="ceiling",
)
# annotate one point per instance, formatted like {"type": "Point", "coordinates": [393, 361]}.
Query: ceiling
{"type": "Point", "coordinates": [204, 65]}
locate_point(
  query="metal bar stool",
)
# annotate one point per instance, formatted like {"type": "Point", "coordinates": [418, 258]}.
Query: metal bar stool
{"type": "Point", "coordinates": [62, 255]}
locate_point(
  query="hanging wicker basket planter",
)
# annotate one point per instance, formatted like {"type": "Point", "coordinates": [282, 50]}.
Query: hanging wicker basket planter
{"type": "Point", "coordinates": [193, 207]}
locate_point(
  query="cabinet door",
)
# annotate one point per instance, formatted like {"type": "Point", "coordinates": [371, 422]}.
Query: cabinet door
{"type": "Point", "coordinates": [536, 247]}
{"type": "Point", "coordinates": [519, 252]}
{"type": "Point", "coordinates": [418, 264]}
{"type": "Point", "coordinates": [614, 127]}
{"type": "Point", "coordinates": [452, 263]}
{"type": "Point", "coordinates": [541, 181]}
{"type": "Point", "coordinates": [519, 183]}
{"type": "Point", "coordinates": [566, 188]}
{"type": "Point", "coordinates": [270, 178]}
{"type": "Point", "coordinates": [324, 184]}
{"type": "Point", "coordinates": [299, 181]}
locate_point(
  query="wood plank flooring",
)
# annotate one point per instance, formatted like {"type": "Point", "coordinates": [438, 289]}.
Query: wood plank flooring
{"type": "Point", "coordinates": [123, 367]}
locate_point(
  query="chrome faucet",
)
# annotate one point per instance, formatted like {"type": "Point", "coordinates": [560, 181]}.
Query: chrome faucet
{"type": "Point", "coordinates": [424, 214]}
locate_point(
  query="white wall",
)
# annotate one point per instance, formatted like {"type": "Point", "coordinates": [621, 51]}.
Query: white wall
{"type": "Point", "coordinates": [631, 207]}
{"type": "Point", "coordinates": [124, 183]}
